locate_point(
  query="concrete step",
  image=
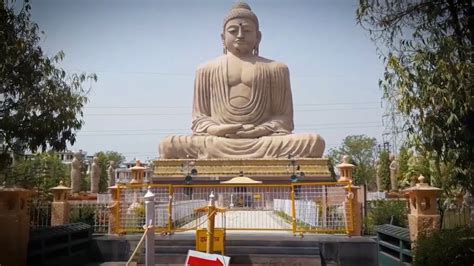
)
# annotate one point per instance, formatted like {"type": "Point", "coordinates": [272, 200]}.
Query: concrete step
{"type": "Point", "coordinates": [246, 259]}
{"type": "Point", "coordinates": [173, 249]}
{"type": "Point", "coordinates": [239, 242]}
{"type": "Point", "coordinates": [244, 250]}
{"type": "Point", "coordinates": [334, 249]}
{"type": "Point", "coordinates": [276, 260]}
{"type": "Point", "coordinates": [270, 243]}
{"type": "Point", "coordinates": [272, 250]}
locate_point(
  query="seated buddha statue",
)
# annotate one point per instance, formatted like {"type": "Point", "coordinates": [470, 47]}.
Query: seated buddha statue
{"type": "Point", "coordinates": [242, 107]}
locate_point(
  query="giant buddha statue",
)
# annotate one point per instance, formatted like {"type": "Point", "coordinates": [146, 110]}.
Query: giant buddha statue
{"type": "Point", "coordinates": [242, 105]}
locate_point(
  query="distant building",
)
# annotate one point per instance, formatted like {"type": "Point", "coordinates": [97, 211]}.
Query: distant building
{"type": "Point", "coordinates": [123, 174]}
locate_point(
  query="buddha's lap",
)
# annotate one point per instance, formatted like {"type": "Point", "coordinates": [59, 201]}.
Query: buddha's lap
{"type": "Point", "coordinates": [301, 145]}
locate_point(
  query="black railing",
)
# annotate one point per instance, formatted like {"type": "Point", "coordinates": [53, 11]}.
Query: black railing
{"type": "Point", "coordinates": [394, 245]}
{"type": "Point", "coordinates": [60, 245]}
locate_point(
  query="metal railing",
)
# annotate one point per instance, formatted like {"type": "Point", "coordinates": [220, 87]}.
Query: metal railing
{"type": "Point", "coordinates": [91, 212]}
{"type": "Point", "coordinates": [300, 208]}
{"type": "Point", "coordinates": [40, 214]}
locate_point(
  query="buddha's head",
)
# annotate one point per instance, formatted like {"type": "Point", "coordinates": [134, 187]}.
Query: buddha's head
{"type": "Point", "coordinates": [240, 33]}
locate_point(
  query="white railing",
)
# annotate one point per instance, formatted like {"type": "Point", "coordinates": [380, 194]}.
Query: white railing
{"type": "Point", "coordinates": [375, 196]}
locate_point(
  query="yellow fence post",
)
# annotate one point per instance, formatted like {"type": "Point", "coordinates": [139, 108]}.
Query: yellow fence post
{"type": "Point", "coordinates": [170, 208]}
{"type": "Point", "coordinates": [350, 216]}
{"type": "Point", "coordinates": [118, 220]}
{"type": "Point", "coordinates": [113, 207]}
{"type": "Point", "coordinates": [354, 218]}
{"type": "Point", "coordinates": [210, 224]}
{"type": "Point", "coordinates": [293, 208]}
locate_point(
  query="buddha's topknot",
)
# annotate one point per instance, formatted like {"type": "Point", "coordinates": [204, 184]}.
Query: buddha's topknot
{"type": "Point", "coordinates": [241, 10]}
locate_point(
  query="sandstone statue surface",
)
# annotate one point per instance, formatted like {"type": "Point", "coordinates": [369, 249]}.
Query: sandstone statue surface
{"type": "Point", "coordinates": [95, 175]}
{"type": "Point", "coordinates": [242, 106]}
{"type": "Point", "coordinates": [76, 174]}
{"type": "Point", "coordinates": [111, 173]}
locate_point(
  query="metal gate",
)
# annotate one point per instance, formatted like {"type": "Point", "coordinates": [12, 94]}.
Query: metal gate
{"type": "Point", "coordinates": [298, 208]}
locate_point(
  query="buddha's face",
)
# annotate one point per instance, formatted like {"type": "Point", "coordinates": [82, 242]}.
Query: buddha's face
{"type": "Point", "coordinates": [241, 36]}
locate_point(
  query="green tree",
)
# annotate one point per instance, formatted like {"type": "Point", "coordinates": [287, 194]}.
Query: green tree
{"type": "Point", "coordinates": [427, 48]}
{"type": "Point", "coordinates": [362, 151]}
{"type": "Point", "coordinates": [384, 170]}
{"type": "Point", "coordinates": [403, 157]}
{"type": "Point", "coordinates": [104, 159]}
{"type": "Point", "coordinates": [40, 172]}
{"type": "Point", "coordinates": [40, 104]}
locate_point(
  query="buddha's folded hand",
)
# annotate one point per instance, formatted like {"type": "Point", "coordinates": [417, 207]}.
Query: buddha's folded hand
{"type": "Point", "coordinates": [255, 132]}
{"type": "Point", "coordinates": [224, 129]}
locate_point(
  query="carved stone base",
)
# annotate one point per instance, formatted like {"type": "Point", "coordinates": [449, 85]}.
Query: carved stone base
{"type": "Point", "coordinates": [422, 223]}
{"type": "Point", "coordinates": [266, 170]}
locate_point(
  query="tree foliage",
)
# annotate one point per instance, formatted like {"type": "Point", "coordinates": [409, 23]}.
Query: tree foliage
{"type": "Point", "coordinates": [362, 151]}
{"type": "Point", "coordinates": [403, 157]}
{"type": "Point", "coordinates": [427, 47]}
{"type": "Point", "coordinates": [40, 104]}
{"type": "Point", "coordinates": [446, 247]}
{"type": "Point", "coordinates": [40, 172]}
{"type": "Point", "coordinates": [104, 159]}
{"type": "Point", "coordinates": [384, 170]}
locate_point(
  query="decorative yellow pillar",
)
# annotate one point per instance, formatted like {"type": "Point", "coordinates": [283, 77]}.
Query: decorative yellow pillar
{"type": "Point", "coordinates": [60, 208]}
{"type": "Point", "coordinates": [14, 226]}
{"type": "Point", "coordinates": [113, 210]}
{"type": "Point", "coordinates": [138, 173]}
{"type": "Point", "coordinates": [354, 215]}
{"type": "Point", "coordinates": [423, 215]}
{"type": "Point", "coordinates": [211, 214]}
{"type": "Point", "coordinates": [352, 201]}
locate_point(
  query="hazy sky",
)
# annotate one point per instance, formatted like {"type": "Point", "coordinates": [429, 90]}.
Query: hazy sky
{"type": "Point", "coordinates": [145, 54]}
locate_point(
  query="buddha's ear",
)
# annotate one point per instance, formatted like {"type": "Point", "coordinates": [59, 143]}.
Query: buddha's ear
{"type": "Point", "coordinates": [259, 37]}
{"type": "Point", "coordinates": [224, 48]}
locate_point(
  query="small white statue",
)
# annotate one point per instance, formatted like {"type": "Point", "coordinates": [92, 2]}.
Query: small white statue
{"type": "Point", "coordinates": [95, 175]}
{"type": "Point", "coordinates": [76, 175]}
{"type": "Point", "coordinates": [393, 173]}
{"type": "Point", "coordinates": [111, 173]}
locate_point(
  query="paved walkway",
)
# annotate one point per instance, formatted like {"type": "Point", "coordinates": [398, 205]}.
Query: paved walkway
{"type": "Point", "coordinates": [248, 219]}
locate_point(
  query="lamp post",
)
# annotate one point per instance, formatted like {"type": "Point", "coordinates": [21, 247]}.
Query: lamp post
{"type": "Point", "coordinates": [295, 169]}
{"type": "Point", "coordinates": [60, 208]}
{"type": "Point", "coordinates": [189, 170]}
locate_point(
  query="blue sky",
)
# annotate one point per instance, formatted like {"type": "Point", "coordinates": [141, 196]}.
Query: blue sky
{"type": "Point", "coordinates": [145, 54]}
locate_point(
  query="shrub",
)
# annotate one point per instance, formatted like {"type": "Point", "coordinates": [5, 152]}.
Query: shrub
{"type": "Point", "coordinates": [84, 214]}
{"type": "Point", "coordinates": [386, 212]}
{"type": "Point", "coordinates": [447, 247]}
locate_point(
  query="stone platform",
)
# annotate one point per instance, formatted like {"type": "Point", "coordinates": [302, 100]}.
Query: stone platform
{"type": "Point", "coordinates": [266, 170]}
{"type": "Point", "coordinates": [252, 248]}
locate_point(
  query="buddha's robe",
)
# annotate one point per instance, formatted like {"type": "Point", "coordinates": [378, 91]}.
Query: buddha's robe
{"type": "Point", "coordinates": [270, 106]}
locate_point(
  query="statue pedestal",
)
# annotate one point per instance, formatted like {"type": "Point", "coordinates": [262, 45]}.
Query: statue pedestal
{"type": "Point", "coordinates": [60, 212]}
{"type": "Point", "coordinates": [269, 171]}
